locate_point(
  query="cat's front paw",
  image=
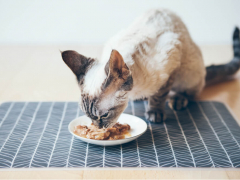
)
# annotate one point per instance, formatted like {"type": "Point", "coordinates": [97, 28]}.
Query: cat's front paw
{"type": "Point", "coordinates": [155, 116]}
{"type": "Point", "coordinates": [178, 102]}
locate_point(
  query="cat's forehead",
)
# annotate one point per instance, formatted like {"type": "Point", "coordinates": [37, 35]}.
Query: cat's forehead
{"type": "Point", "coordinates": [93, 89]}
{"type": "Point", "coordinates": [94, 79]}
{"type": "Point", "coordinates": [94, 86]}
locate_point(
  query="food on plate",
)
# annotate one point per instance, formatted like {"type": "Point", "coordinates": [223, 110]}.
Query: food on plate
{"type": "Point", "coordinates": [118, 131]}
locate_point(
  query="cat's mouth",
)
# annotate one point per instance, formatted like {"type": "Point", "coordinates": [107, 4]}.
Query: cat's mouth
{"type": "Point", "coordinates": [101, 124]}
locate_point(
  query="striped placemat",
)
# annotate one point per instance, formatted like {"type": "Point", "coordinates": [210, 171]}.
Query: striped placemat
{"type": "Point", "coordinates": [35, 134]}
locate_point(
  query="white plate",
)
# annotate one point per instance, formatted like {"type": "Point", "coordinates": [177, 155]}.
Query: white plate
{"type": "Point", "coordinates": [138, 127]}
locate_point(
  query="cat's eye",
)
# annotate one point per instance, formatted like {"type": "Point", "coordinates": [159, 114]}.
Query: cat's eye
{"type": "Point", "coordinates": [105, 115]}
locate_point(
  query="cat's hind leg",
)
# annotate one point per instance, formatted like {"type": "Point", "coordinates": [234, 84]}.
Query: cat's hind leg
{"type": "Point", "coordinates": [180, 99]}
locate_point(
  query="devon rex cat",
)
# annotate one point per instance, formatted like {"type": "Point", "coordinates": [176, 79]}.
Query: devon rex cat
{"type": "Point", "coordinates": [151, 57]}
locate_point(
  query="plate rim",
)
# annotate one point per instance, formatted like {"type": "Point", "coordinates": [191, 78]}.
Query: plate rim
{"type": "Point", "coordinates": [95, 140]}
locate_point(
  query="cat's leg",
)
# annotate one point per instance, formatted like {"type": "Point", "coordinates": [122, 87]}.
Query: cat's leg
{"type": "Point", "coordinates": [156, 104]}
{"type": "Point", "coordinates": [178, 101]}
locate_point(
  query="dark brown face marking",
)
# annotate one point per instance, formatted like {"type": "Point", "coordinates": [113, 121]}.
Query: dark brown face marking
{"type": "Point", "coordinates": [89, 107]}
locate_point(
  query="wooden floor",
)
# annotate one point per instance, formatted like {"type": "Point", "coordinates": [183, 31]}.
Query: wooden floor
{"type": "Point", "coordinates": [37, 73]}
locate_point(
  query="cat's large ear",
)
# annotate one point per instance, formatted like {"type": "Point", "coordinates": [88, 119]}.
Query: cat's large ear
{"type": "Point", "coordinates": [76, 62]}
{"type": "Point", "coordinates": [116, 67]}
{"type": "Point", "coordinates": [118, 72]}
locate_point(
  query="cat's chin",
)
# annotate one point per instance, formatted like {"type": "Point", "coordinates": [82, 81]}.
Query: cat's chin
{"type": "Point", "coordinates": [104, 126]}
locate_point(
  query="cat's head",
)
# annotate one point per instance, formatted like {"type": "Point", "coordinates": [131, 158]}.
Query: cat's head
{"type": "Point", "coordinates": [104, 87]}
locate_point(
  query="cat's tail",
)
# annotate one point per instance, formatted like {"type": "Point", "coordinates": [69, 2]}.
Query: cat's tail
{"type": "Point", "coordinates": [217, 73]}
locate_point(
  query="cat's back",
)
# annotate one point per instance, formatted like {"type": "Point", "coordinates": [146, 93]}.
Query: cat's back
{"type": "Point", "coordinates": [147, 45]}
{"type": "Point", "coordinates": [145, 30]}
{"type": "Point", "coordinates": [156, 21]}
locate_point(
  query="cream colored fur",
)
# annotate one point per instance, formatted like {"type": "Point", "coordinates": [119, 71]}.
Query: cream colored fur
{"type": "Point", "coordinates": [153, 47]}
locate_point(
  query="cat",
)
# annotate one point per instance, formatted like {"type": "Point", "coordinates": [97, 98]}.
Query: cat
{"type": "Point", "coordinates": [152, 57]}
